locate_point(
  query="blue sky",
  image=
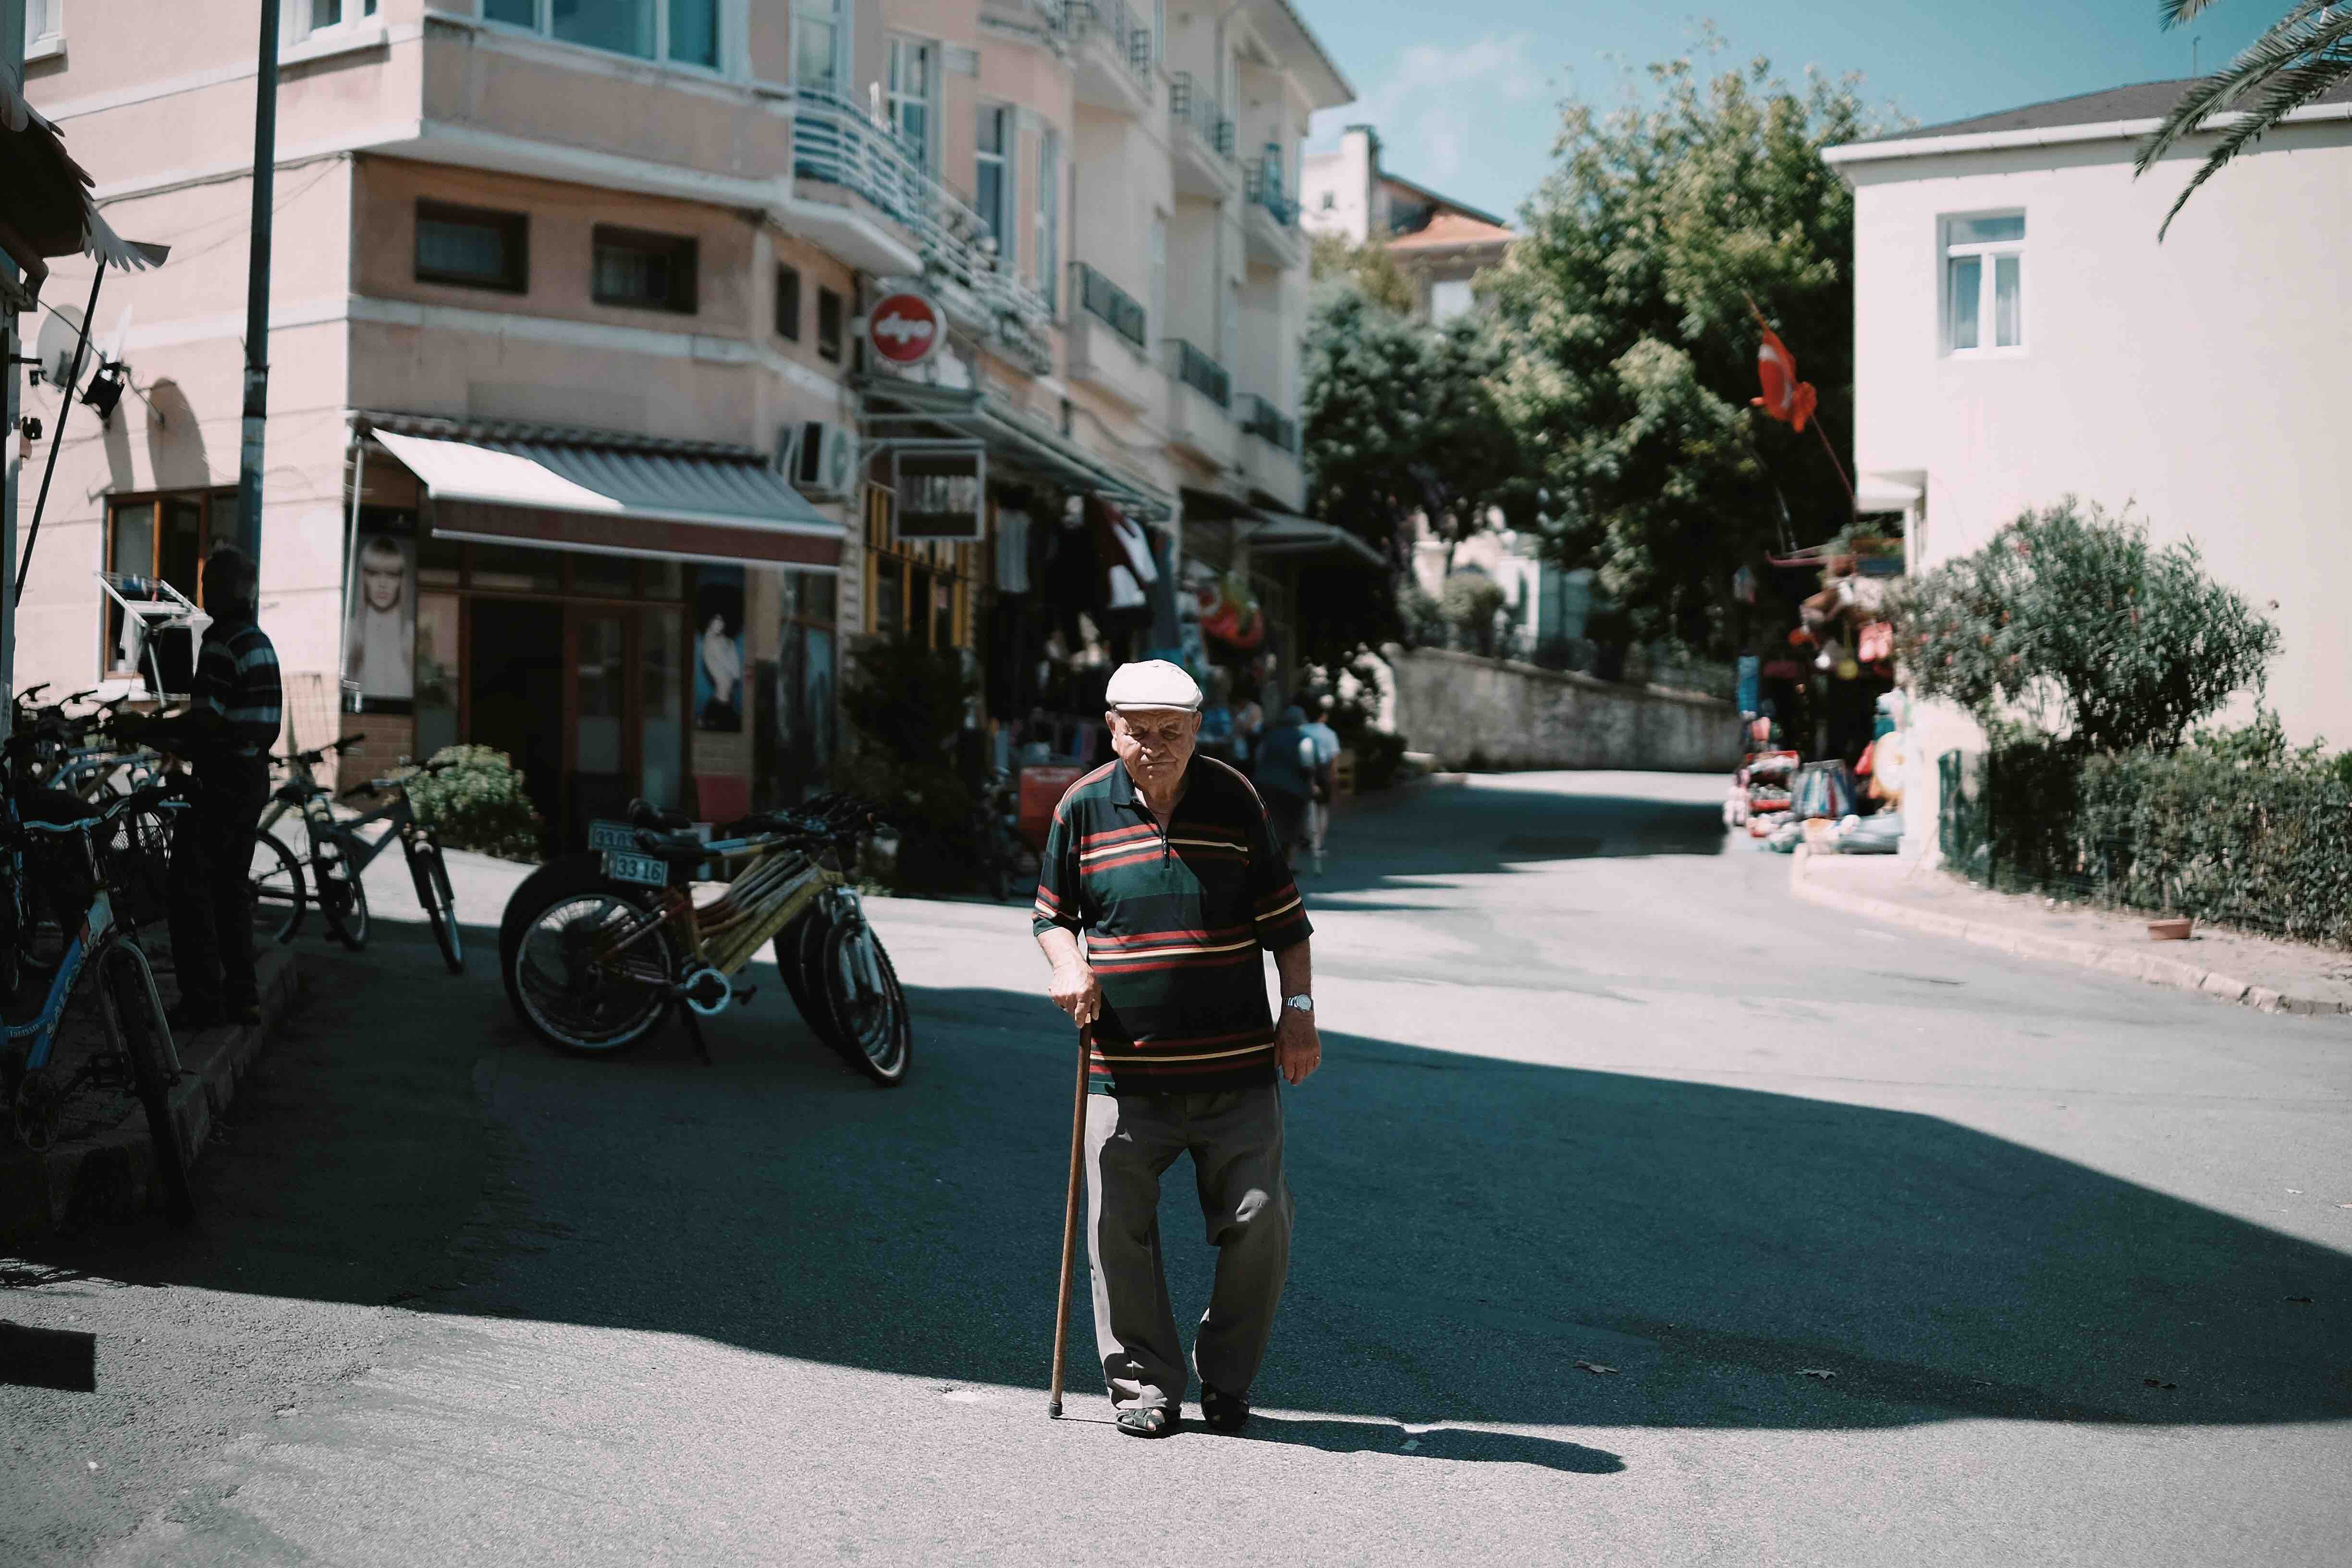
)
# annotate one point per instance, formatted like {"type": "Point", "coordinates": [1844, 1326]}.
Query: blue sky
{"type": "Point", "coordinates": [1466, 94]}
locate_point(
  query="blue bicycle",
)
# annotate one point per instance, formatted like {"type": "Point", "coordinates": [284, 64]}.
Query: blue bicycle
{"type": "Point", "coordinates": [65, 1061]}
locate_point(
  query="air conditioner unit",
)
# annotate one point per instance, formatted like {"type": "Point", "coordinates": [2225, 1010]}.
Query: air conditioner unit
{"type": "Point", "coordinates": [819, 459]}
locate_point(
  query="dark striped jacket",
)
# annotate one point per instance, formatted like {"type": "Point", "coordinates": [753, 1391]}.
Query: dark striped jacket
{"type": "Point", "coordinates": [1173, 924]}
{"type": "Point", "coordinates": [237, 678]}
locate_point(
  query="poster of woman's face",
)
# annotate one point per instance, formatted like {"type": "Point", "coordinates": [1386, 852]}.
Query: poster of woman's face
{"type": "Point", "coordinates": [719, 649]}
{"type": "Point", "coordinates": [380, 651]}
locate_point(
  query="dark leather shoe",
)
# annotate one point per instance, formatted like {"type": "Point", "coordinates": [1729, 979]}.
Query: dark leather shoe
{"type": "Point", "coordinates": [1223, 1412]}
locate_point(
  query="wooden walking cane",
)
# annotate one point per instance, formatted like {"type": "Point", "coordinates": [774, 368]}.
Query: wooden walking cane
{"type": "Point", "coordinates": [1070, 1221]}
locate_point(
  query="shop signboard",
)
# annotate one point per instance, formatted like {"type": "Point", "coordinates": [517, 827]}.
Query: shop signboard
{"type": "Point", "coordinates": [942, 492]}
{"type": "Point", "coordinates": [906, 329]}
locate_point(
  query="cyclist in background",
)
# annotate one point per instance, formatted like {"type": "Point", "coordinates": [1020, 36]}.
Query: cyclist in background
{"type": "Point", "coordinates": [231, 721]}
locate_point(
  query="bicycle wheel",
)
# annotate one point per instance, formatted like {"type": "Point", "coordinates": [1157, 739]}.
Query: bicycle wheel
{"type": "Point", "coordinates": [570, 873]}
{"type": "Point", "coordinates": [588, 976]}
{"type": "Point", "coordinates": [432, 880]}
{"type": "Point", "coordinates": [870, 1010]}
{"type": "Point", "coordinates": [275, 889]}
{"type": "Point", "coordinates": [136, 1020]}
{"type": "Point", "coordinates": [799, 949]}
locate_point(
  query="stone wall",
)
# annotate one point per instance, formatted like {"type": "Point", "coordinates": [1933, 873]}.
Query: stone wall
{"type": "Point", "coordinates": [1469, 711]}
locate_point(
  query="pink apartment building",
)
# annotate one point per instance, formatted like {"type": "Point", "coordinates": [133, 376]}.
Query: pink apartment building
{"type": "Point", "coordinates": [578, 445]}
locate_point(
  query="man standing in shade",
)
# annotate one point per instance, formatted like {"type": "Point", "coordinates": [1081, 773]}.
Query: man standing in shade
{"type": "Point", "coordinates": [1163, 862]}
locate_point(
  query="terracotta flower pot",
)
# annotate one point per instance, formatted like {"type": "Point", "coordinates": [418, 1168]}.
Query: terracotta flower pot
{"type": "Point", "coordinates": [2168, 930]}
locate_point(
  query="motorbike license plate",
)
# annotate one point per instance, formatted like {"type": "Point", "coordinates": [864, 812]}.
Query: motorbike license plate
{"type": "Point", "coordinates": [612, 835]}
{"type": "Point", "coordinates": [647, 870]}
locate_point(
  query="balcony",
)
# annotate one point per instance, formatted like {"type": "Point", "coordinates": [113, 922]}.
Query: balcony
{"type": "Point", "coordinates": [1047, 21]}
{"type": "Point", "coordinates": [1269, 454]}
{"type": "Point", "coordinates": [1113, 52]}
{"type": "Point", "coordinates": [1270, 219]}
{"type": "Point", "coordinates": [860, 191]}
{"type": "Point", "coordinates": [1109, 333]}
{"type": "Point", "coordinates": [1198, 397]}
{"type": "Point", "coordinates": [1202, 140]}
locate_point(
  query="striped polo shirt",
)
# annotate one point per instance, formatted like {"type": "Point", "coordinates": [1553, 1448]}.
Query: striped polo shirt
{"type": "Point", "coordinates": [1173, 924]}
{"type": "Point", "coordinates": [237, 678]}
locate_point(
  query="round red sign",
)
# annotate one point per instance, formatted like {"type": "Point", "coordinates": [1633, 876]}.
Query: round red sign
{"type": "Point", "coordinates": [906, 329]}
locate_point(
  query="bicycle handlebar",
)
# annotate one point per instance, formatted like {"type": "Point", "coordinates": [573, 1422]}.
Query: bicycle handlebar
{"type": "Point", "coordinates": [154, 797]}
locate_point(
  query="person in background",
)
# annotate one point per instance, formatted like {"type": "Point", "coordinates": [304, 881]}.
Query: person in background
{"type": "Point", "coordinates": [1285, 779]}
{"type": "Point", "coordinates": [1325, 741]}
{"type": "Point", "coordinates": [232, 720]}
{"type": "Point", "coordinates": [1248, 724]}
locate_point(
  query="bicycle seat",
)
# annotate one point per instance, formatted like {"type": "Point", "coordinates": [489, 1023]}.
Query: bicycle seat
{"type": "Point", "coordinates": [646, 815]}
{"type": "Point", "coordinates": [675, 849]}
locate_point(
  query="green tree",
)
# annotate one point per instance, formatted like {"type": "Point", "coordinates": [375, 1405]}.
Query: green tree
{"type": "Point", "coordinates": [2307, 53]}
{"type": "Point", "coordinates": [2068, 621]}
{"type": "Point", "coordinates": [1370, 268]}
{"type": "Point", "coordinates": [1631, 354]}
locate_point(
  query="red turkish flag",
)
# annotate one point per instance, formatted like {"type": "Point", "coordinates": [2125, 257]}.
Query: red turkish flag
{"type": "Point", "coordinates": [1785, 398]}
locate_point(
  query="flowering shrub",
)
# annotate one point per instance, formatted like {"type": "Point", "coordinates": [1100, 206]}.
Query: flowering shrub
{"type": "Point", "coordinates": [478, 804]}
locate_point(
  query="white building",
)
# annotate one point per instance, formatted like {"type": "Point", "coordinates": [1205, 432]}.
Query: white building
{"type": "Point", "coordinates": [2021, 335]}
{"type": "Point", "coordinates": [1440, 244]}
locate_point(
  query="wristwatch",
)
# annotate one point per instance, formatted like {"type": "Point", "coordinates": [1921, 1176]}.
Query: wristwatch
{"type": "Point", "coordinates": [1302, 1003]}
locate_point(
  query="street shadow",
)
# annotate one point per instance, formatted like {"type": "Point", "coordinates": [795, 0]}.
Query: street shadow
{"type": "Point", "coordinates": [1479, 1241]}
{"type": "Point", "coordinates": [1452, 831]}
{"type": "Point", "coordinates": [1430, 1443]}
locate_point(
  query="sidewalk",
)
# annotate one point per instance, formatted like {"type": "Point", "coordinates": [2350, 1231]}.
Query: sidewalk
{"type": "Point", "coordinates": [110, 1176]}
{"type": "Point", "coordinates": [2268, 975]}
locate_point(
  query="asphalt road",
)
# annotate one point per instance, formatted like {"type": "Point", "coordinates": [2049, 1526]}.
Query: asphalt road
{"type": "Point", "coordinates": [1898, 1250]}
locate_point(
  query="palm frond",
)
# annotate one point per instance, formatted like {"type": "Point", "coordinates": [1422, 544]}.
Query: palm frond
{"type": "Point", "coordinates": [2172, 13]}
{"type": "Point", "coordinates": [2287, 91]}
{"type": "Point", "coordinates": [2312, 27]}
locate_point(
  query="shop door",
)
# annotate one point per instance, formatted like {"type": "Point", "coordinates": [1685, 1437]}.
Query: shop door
{"type": "Point", "coordinates": [514, 693]}
{"type": "Point", "coordinates": [625, 718]}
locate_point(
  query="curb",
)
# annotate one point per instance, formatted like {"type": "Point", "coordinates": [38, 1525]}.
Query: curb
{"type": "Point", "coordinates": [111, 1177]}
{"type": "Point", "coordinates": [2145, 966]}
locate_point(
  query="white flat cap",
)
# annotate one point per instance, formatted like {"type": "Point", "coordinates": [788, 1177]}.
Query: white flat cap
{"type": "Point", "coordinates": [1153, 683]}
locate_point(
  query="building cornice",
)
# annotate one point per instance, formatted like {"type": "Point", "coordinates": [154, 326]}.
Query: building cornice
{"type": "Point", "coordinates": [2047, 136]}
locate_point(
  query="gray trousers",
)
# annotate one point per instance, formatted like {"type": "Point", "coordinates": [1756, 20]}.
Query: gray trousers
{"type": "Point", "coordinates": [1236, 1141]}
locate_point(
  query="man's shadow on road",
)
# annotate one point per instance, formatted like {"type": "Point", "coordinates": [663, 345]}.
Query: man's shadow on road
{"type": "Point", "coordinates": [1432, 1443]}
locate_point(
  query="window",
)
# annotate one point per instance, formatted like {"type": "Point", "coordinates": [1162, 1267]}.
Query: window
{"type": "Point", "coordinates": [1331, 200]}
{"type": "Point", "coordinates": [912, 77]}
{"type": "Point", "coordinates": [683, 31]}
{"type": "Point", "coordinates": [1047, 244]}
{"type": "Point", "coordinates": [788, 303]}
{"type": "Point", "coordinates": [472, 248]}
{"type": "Point", "coordinates": [45, 28]}
{"type": "Point", "coordinates": [817, 34]}
{"type": "Point", "coordinates": [1984, 282]}
{"type": "Point", "coordinates": [166, 537]}
{"type": "Point", "coordinates": [828, 324]}
{"type": "Point", "coordinates": [992, 182]}
{"type": "Point", "coordinates": [325, 14]}
{"type": "Point", "coordinates": [1448, 298]}
{"type": "Point", "coordinates": [648, 271]}
{"type": "Point", "coordinates": [1156, 268]}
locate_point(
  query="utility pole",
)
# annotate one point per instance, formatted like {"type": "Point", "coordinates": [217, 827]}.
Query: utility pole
{"type": "Point", "coordinates": [12, 62]}
{"type": "Point", "coordinates": [257, 287]}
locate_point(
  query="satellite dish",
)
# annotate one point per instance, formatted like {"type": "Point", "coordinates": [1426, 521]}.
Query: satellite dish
{"type": "Point", "coordinates": [60, 334]}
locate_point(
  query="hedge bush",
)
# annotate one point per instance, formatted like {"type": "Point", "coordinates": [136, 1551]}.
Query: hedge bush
{"type": "Point", "coordinates": [2237, 834]}
{"type": "Point", "coordinates": [478, 803]}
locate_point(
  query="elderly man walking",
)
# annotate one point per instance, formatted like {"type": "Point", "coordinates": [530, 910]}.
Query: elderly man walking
{"type": "Point", "coordinates": [1162, 862]}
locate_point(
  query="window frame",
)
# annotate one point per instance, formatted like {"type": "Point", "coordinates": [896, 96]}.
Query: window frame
{"type": "Point", "coordinates": [788, 320]}
{"type": "Point", "coordinates": [1046, 219]}
{"type": "Point", "coordinates": [215, 510]}
{"type": "Point", "coordinates": [1988, 253]}
{"type": "Point", "coordinates": [515, 228]}
{"type": "Point", "coordinates": [829, 14]}
{"type": "Point", "coordinates": [49, 43]}
{"type": "Point", "coordinates": [298, 25]}
{"type": "Point", "coordinates": [620, 236]}
{"type": "Point", "coordinates": [905, 45]}
{"type": "Point", "coordinates": [1005, 224]}
{"type": "Point", "coordinates": [830, 302]}
{"type": "Point", "coordinates": [541, 26]}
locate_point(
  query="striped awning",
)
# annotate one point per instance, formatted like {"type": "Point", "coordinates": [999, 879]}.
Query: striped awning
{"type": "Point", "coordinates": [612, 496]}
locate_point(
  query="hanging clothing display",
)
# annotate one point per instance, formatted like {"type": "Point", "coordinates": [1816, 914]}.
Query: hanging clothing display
{"type": "Point", "coordinates": [1011, 550]}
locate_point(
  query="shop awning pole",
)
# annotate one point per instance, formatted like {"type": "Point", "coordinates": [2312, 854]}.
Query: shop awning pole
{"type": "Point", "coordinates": [351, 568]}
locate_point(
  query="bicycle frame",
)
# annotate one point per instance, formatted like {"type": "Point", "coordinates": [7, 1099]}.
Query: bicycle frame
{"type": "Point", "coordinates": [781, 882]}
{"type": "Point", "coordinates": [97, 936]}
{"type": "Point", "coordinates": [357, 848]}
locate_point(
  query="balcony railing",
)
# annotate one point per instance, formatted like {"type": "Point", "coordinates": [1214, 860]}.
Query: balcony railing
{"type": "Point", "coordinates": [1199, 372]}
{"type": "Point", "coordinates": [1112, 18]}
{"type": "Point", "coordinates": [1265, 189]}
{"type": "Point", "coordinates": [836, 140]}
{"type": "Point", "coordinates": [1114, 305]}
{"type": "Point", "coordinates": [1191, 108]}
{"type": "Point", "coordinates": [1270, 424]}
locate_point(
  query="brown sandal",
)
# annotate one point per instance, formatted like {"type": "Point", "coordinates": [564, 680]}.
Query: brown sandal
{"type": "Point", "coordinates": [1148, 1420]}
